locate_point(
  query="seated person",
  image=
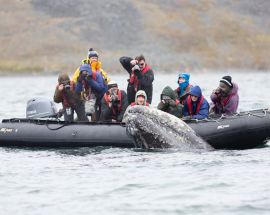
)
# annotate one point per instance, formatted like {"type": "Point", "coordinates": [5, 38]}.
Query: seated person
{"type": "Point", "coordinates": [225, 98]}
{"type": "Point", "coordinates": [196, 106]}
{"type": "Point", "coordinates": [140, 99]}
{"type": "Point", "coordinates": [169, 102]}
{"type": "Point", "coordinates": [65, 94]}
{"type": "Point", "coordinates": [113, 104]}
{"type": "Point", "coordinates": [184, 87]}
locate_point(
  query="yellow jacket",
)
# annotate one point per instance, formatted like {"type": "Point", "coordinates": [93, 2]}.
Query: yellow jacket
{"type": "Point", "coordinates": [96, 66]}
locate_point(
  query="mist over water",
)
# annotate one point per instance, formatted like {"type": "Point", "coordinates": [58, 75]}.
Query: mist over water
{"type": "Point", "coordinates": [130, 181]}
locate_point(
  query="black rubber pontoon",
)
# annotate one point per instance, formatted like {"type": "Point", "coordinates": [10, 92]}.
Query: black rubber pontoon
{"type": "Point", "coordinates": [241, 131]}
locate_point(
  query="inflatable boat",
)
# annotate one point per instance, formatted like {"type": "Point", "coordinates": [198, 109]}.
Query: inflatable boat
{"type": "Point", "coordinates": [240, 131]}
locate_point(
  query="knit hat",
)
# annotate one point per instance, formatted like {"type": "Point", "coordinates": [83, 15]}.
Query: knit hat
{"type": "Point", "coordinates": [92, 53]}
{"type": "Point", "coordinates": [196, 91]}
{"type": "Point", "coordinates": [112, 84]}
{"type": "Point", "coordinates": [227, 80]}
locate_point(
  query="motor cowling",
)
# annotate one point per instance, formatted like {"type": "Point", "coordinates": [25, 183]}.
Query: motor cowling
{"type": "Point", "coordinates": [40, 108]}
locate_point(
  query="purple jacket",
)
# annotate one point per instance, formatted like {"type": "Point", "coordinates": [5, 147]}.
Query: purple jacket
{"type": "Point", "coordinates": [226, 105]}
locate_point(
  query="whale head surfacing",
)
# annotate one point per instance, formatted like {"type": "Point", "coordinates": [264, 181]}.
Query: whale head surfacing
{"type": "Point", "coordinates": [152, 128]}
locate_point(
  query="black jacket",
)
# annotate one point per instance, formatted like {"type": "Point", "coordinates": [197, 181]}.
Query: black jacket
{"type": "Point", "coordinates": [145, 81]}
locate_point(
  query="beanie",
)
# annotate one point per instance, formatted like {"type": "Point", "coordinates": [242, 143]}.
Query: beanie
{"type": "Point", "coordinates": [227, 80]}
{"type": "Point", "coordinates": [92, 53]}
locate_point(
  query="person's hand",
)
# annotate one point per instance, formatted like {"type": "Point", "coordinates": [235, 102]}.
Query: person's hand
{"type": "Point", "coordinates": [171, 102]}
{"type": "Point", "coordinates": [135, 68]}
{"type": "Point", "coordinates": [217, 91]}
{"type": "Point", "coordinates": [133, 62]}
{"type": "Point", "coordinates": [61, 87]}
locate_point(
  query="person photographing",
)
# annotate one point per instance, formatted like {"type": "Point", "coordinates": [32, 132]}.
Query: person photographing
{"type": "Point", "coordinates": [114, 104]}
{"type": "Point", "coordinates": [65, 94]}
{"type": "Point", "coordinates": [141, 77]}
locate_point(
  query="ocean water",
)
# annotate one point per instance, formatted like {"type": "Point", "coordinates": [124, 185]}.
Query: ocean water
{"type": "Point", "coordinates": [131, 181]}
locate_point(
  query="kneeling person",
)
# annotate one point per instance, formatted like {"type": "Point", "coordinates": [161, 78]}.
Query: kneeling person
{"type": "Point", "coordinates": [196, 106]}
{"type": "Point", "coordinates": [169, 102]}
{"type": "Point", "coordinates": [113, 104]}
{"type": "Point", "coordinates": [65, 94]}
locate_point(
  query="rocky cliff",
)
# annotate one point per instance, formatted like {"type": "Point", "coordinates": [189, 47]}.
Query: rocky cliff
{"type": "Point", "coordinates": [38, 35]}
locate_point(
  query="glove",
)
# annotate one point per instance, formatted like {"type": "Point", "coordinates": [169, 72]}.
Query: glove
{"type": "Point", "coordinates": [172, 103]}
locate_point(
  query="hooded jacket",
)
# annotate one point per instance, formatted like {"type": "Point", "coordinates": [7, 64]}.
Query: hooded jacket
{"type": "Point", "coordinates": [203, 110]}
{"type": "Point", "coordinates": [226, 105]}
{"type": "Point", "coordinates": [98, 86]}
{"type": "Point", "coordinates": [171, 106]}
{"type": "Point", "coordinates": [145, 80]}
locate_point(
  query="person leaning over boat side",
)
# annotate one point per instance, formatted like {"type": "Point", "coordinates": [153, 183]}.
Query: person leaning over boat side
{"type": "Point", "coordinates": [184, 87]}
{"type": "Point", "coordinates": [225, 98]}
{"type": "Point", "coordinates": [141, 77]}
{"type": "Point", "coordinates": [91, 81]}
{"type": "Point", "coordinates": [196, 106]}
{"type": "Point", "coordinates": [113, 104]}
{"type": "Point", "coordinates": [169, 102]}
{"type": "Point", "coordinates": [65, 94]}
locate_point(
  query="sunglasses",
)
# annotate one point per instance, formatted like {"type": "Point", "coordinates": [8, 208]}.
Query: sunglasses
{"type": "Point", "coordinates": [141, 64]}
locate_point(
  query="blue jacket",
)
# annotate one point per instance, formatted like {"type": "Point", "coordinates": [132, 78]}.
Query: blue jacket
{"type": "Point", "coordinates": [98, 86]}
{"type": "Point", "coordinates": [204, 109]}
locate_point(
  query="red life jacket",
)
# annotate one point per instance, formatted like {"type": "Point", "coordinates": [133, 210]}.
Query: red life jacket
{"type": "Point", "coordinates": [65, 102]}
{"type": "Point", "coordinates": [134, 80]}
{"type": "Point", "coordinates": [134, 103]}
{"type": "Point", "coordinates": [119, 106]}
{"type": "Point", "coordinates": [189, 105]}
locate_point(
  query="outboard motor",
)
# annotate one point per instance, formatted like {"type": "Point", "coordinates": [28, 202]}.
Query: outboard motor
{"type": "Point", "coordinates": [40, 108]}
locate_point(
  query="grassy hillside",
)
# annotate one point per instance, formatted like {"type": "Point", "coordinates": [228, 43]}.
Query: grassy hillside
{"type": "Point", "coordinates": [44, 36]}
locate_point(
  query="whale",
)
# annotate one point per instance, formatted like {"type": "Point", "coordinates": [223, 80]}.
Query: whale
{"type": "Point", "coordinates": [150, 128]}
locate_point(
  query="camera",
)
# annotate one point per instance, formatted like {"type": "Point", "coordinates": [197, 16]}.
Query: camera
{"type": "Point", "coordinates": [67, 87]}
{"type": "Point", "coordinates": [165, 98]}
{"type": "Point", "coordinates": [114, 97]}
